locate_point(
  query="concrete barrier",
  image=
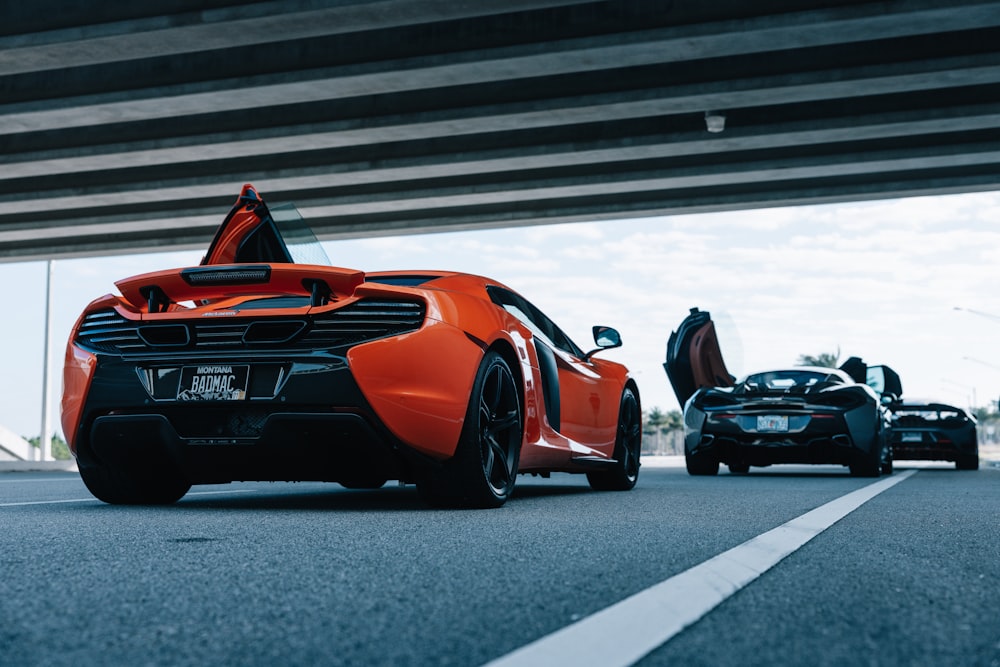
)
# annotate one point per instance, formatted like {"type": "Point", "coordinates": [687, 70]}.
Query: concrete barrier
{"type": "Point", "coordinates": [13, 446]}
{"type": "Point", "coordinates": [38, 466]}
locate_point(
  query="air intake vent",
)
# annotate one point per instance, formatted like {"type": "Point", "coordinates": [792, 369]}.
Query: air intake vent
{"type": "Point", "coordinates": [359, 322]}
{"type": "Point", "coordinates": [164, 335]}
{"type": "Point", "coordinates": [107, 331]}
{"type": "Point", "coordinates": [363, 321]}
{"type": "Point", "coordinates": [272, 332]}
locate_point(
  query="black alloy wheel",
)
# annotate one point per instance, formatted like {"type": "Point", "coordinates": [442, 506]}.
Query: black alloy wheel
{"type": "Point", "coordinates": [628, 446]}
{"type": "Point", "coordinates": [483, 471]}
{"type": "Point", "coordinates": [499, 428]}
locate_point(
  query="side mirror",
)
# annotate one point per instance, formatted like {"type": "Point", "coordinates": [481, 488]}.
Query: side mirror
{"type": "Point", "coordinates": [605, 338]}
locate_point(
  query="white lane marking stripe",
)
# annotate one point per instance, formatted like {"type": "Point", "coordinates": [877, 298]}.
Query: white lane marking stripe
{"type": "Point", "coordinates": [620, 635]}
{"type": "Point", "coordinates": [36, 480]}
{"type": "Point", "coordinates": [49, 502]}
{"type": "Point", "coordinates": [87, 500]}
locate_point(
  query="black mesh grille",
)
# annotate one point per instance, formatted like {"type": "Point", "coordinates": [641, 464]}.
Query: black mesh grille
{"type": "Point", "coordinates": [362, 321]}
{"type": "Point", "coordinates": [108, 331]}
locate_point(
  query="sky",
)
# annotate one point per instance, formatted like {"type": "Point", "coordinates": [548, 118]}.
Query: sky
{"type": "Point", "coordinates": [912, 283]}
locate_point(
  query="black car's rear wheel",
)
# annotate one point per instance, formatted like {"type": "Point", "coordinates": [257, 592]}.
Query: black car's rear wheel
{"type": "Point", "coordinates": [739, 468]}
{"type": "Point", "coordinates": [133, 487]}
{"type": "Point", "coordinates": [484, 468]}
{"type": "Point", "coordinates": [867, 464]}
{"type": "Point", "coordinates": [628, 445]}
{"type": "Point", "coordinates": [970, 462]}
{"type": "Point", "coordinates": [701, 464]}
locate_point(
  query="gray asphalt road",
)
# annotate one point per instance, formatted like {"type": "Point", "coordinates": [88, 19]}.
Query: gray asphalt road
{"type": "Point", "coordinates": [312, 574]}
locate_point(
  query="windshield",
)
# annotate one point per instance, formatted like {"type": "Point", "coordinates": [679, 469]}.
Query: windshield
{"type": "Point", "coordinates": [787, 380]}
{"type": "Point", "coordinates": [927, 413]}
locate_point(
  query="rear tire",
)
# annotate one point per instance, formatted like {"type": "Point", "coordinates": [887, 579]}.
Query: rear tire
{"type": "Point", "coordinates": [867, 464]}
{"type": "Point", "coordinates": [970, 462]}
{"type": "Point", "coordinates": [118, 487]}
{"type": "Point", "coordinates": [739, 468]}
{"type": "Point", "coordinates": [701, 464]}
{"type": "Point", "coordinates": [628, 444]}
{"type": "Point", "coordinates": [484, 468]}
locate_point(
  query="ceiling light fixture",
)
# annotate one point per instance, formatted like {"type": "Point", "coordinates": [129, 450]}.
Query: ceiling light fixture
{"type": "Point", "coordinates": [715, 121]}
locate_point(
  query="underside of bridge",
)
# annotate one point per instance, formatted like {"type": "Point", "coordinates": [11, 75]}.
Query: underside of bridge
{"type": "Point", "coordinates": [131, 126]}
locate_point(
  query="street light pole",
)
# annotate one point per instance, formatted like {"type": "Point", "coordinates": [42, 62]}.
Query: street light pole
{"type": "Point", "coordinates": [45, 439]}
{"type": "Point", "coordinates": [989, 316]}
{"type": "Point", "coordinates": [981, 362]}
{"type": "Point", "coordinates": [972, 403]}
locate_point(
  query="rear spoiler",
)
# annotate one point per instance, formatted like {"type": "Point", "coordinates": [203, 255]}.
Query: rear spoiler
{"type": "Point", "coordinates": [153, 292]}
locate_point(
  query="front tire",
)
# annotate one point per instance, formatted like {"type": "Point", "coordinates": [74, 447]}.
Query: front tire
{"type": "Point", "coordinates": [484, 468]}
{"type": "Point", "coordinates": [628, 445]}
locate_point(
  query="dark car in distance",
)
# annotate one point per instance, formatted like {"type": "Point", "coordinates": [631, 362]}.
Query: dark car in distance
{"type": "Point", "coordinates": [811, 415]}
{"type": "Point", "coordinates": [931, 431]}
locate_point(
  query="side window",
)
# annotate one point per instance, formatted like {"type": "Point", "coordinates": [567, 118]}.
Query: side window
{"type": "Point", "coordinates": [534, 319]}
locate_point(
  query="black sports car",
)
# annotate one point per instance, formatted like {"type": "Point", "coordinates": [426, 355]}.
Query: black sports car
{"type": "Point", "coordinates": [929, 431]}
{"type": "Point", "coordinates": [791, 415]}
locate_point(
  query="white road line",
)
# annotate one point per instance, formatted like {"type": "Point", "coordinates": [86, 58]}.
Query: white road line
{"type": "Point", "coordinates": [49, 502]}
{"type": "Point", "coordinates": [623, 633]}
{"type": "Point", "coordinates": [87, 500]}
{"type": "Point", "coordinates": [36, 480]}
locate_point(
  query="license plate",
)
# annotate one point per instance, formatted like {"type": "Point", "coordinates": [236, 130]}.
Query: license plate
{"type": "Point", "coordinates": [213, 382]}
{"type": "Point", "coordinates": [912, 437]}
{"type": "Point", "coordinates": [772, 423]}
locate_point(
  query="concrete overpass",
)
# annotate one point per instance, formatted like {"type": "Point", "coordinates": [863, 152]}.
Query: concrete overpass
{"type": "Point", "coordinates": [131, 126]}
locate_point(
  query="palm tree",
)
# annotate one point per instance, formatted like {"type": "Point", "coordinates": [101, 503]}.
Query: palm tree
{"type": "Point", "coordinates": [824, 359]}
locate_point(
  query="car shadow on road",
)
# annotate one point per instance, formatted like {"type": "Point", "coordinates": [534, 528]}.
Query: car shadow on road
{"type": "Point", "coordinates": [541, 491]}
{"type": "Point", "coordinates": [389, 498]}
{"type": "Point", "coordinates": [339, 499]}
{"type": "Point", "coordinates": [789, 473]}
{"type": "Point", "coordinates": [336, 498]}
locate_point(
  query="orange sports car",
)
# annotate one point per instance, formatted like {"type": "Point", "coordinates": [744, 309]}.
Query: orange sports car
{"type": "Point", "coordinates": [266, 363]}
